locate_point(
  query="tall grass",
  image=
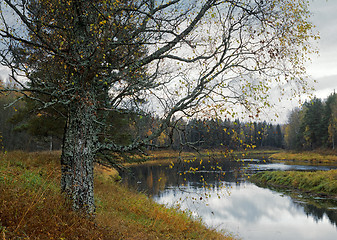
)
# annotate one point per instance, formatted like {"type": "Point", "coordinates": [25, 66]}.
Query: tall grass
{"type": "Point", "coordinates": [32, 207]}
{"type": "Point", "coordinates": [320, 182]}
{"type": "Point", "coordinates": [317, 157]}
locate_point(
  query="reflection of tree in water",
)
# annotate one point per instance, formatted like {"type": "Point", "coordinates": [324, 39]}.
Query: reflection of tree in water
{"type": "Point", "coordinates": [318, 213]}
{"type": "Point", "coordinates": [332, 215]}
{"type": "Point", "coordinates": [198, 173]}
{"type": "Point", "coordinates": [148, 179]}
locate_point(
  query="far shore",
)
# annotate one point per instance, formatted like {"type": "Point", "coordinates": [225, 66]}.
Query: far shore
{"type": "Point", "coordinates": [167, 156]}
{"type": "Point", "coordinates": [321, 157]}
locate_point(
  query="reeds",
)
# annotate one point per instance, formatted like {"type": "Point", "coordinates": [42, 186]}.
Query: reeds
{"type": "Point", "coordinates": [320, 182]}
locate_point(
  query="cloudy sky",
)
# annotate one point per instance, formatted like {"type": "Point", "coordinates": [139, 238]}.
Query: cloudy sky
{"type": "Point", "coordinates": [324, 66]}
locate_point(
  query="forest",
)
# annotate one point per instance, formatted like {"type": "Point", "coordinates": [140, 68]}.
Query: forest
{"type": "Point", "coordinates": [24, 129]}
{"type": "Point", "coordinates": [311, 126]}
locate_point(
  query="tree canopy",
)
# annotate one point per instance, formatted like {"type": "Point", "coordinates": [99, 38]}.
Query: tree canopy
{"type": "Point", "coordinates": [313, 125]}
{"type": "Point", "coordinates": [174, 58]}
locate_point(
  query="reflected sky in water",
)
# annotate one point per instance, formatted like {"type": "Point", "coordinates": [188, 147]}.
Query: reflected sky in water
{"type": "Point", "coordinates": [235, 205]}
{"type": "Point", "coordinates": [251, 212]}
{"type": "Point", "coordinates": [284, 167]}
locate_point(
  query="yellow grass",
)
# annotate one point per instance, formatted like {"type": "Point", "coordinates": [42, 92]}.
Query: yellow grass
{"type": "Point", "coordinates": [32, 206]}
{"type": "Point", "coordinates": [311, 157]}
{"type": "Point", "coordinates": [167, 156]}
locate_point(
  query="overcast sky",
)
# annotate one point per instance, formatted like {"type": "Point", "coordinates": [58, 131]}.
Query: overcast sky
{"type": "Point", "coordinates": [324, 66]}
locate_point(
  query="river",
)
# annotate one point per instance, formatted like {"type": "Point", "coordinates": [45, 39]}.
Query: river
{"type": "Point", "coordinates": [219, 192]}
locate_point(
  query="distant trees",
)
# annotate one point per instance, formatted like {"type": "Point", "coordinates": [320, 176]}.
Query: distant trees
{"type": "Point", "coordinates": [25, 129]}
{"type": "Point", "coordinates": [45, 126]}
{"type": "Point", "coordinates": [217, 133]}
{"type": "Point", "coordinates": [11, 139]}
{"type": "Point", "coordinates": [292, 129]}
{"type": "Point", "coordinates": [312, 126]}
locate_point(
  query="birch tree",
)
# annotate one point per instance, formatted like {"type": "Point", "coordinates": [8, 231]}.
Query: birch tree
{"type": "Point", "coordinates": [174, 58]}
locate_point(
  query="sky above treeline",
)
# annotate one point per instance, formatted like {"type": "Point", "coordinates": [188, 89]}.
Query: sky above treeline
{"type": "Point", "coordinates": [324, 66]}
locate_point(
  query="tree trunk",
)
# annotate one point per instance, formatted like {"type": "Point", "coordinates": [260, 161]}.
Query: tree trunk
{"type": "Point", "coordinates": [78, 153]}
{"type": "Point", "coordinates": [333, 140]}
{"type": "Point", "coordinates": [51, 143]}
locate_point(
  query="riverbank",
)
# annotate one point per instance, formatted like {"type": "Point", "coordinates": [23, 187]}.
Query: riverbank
{"type": "Point", "coordinates": [322, 157]}
{"type": "Point", "coordinates": [168, 156]}
{"type": "Point", "coordinates": [321, 183]}
{"type": "Point", "coordinates": [32, 206]}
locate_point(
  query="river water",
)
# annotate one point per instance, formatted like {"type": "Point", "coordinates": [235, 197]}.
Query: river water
{"type": "Point", "coordinates": [219, 192]}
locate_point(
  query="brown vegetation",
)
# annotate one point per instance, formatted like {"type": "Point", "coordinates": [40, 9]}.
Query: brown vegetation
{"type": "Point", "coordinates": [32, 206]}
{"type": "Point", "coordinates": [317, 183]}
{"type": "Point", "coordinates": [320, 156]}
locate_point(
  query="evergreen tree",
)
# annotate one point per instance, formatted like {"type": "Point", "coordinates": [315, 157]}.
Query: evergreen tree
{"type": "Point", "coordinates": [328, 121]}
{"type": "Point", "coordinates": [312, 125]}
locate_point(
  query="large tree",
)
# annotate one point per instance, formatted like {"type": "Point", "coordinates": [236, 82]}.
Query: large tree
{"type": "Point", "coordinates": [171, 57]}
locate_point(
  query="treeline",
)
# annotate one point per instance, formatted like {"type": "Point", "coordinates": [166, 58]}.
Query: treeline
{"type": "Point", "coordinates": [196, 133]}
{"type": "Point", "coordinates": [23, 127]}
{"type": "Point", "coordinates": [206, 133]}
{"type": "Point", "coordinates": [216, 133]}
{"type": "Point", "coordinates": [9, 138]}
{"type": "Point", "coordinates": [313, 126]}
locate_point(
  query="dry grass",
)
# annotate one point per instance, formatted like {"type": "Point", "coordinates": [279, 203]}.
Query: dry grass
{"type": "Point", "coordinates": [167, 156]}
{"type": "Point", "coordinates": [31, 204]}
{"type": "Point", "coordinates": [32, 207]}
{"type": "Point", "coordinates": [317, 157]}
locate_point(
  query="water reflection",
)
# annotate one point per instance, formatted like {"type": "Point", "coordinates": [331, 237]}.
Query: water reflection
{"type": "Point", "coordinates": [255, 213]}
{"type": "Point", "coordinates": [226, 201]}
{"type": "Point", "coordinates": [284, 167]}
{"type": "Point", "coordinates": [319, 213]}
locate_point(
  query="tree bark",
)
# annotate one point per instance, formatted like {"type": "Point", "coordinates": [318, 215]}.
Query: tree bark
{"type": "Point", "coordinates": [78, 153]}
{"type": "Point", "coordinates": [51, 143]}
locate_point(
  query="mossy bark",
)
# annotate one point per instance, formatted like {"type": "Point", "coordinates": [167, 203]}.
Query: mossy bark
{"type": "Point", "coordinates": [78, 153]}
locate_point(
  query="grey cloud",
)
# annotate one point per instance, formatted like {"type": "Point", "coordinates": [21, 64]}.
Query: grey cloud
{"type": "Point", "coordinates": [326, 83]}
{"type": "Point", "coordinates": [4, 72]}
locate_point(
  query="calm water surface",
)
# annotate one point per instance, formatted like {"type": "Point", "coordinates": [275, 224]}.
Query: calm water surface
{"type": "Point", "coordinates": [220, 194]}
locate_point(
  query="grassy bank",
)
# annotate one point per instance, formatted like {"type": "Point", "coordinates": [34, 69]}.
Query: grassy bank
{"type": "Point", "coordinates": [318, 157]}
{"type": "Point", "coordinates": [167, 156]}
{"type": "Point", "coordinates": [318, 183]}
{"type": "Point", "coordinates": [32, 206]}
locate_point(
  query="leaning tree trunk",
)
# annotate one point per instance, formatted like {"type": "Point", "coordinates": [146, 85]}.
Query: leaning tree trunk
{"type": "Point", "coordinates": [77, 159]}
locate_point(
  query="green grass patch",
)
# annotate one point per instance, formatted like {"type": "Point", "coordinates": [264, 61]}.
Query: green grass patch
{"type": "Point", "coordinates": [320, 182]}
{"type": "Point", "coordinates": [32, 206]}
